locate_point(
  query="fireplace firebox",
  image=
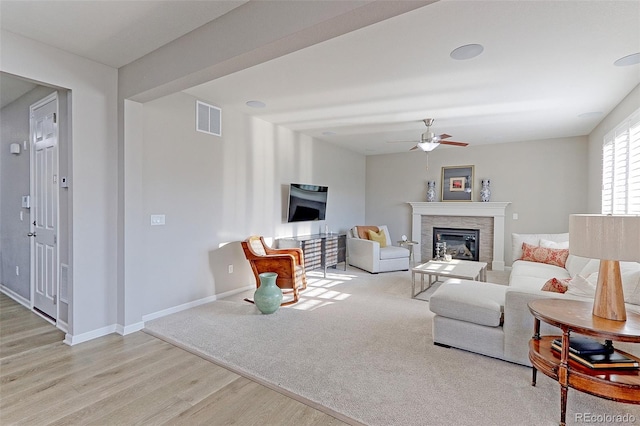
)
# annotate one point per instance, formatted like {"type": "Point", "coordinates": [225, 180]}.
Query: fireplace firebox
{"type": "Point", "coordinates": [463, 244]}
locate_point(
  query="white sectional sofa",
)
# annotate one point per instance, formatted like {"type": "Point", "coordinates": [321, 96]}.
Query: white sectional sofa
{"type": "Point", "coordinates": [494, 320]}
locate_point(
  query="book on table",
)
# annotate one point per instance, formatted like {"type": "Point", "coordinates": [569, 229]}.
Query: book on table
{"type": "Point", "coordinates": [592, 356]}
{"type": "Point", "coordinates": [582, 345]}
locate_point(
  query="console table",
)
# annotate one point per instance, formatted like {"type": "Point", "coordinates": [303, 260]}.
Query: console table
{"type": "Point", "coordinates": [576, 316]}
{"type": "Point", "coordinates": [320, 250]}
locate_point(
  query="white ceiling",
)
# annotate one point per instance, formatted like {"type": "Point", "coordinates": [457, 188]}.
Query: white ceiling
{"type": "Point", "coordinates": [544, 64]}
{"type": "Point", "coordinates": [113, 32]}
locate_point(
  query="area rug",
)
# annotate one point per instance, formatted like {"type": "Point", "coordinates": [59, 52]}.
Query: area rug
{"type": "Point", "coordinates": [426, 294]}
{"type": "Point", "coordinates": [357, 346]}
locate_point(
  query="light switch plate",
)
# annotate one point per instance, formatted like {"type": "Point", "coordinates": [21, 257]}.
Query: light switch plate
{"type": "Point", "coordinates": [157, 219]}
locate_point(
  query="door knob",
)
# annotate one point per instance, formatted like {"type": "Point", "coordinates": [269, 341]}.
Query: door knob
{"type": "Point", "coordinates": [31, 234]}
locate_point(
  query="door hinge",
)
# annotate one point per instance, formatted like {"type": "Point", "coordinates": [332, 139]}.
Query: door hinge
{"type": "Point", "coordinates": [55, 299]}
{"type": "Point", "coordinates": [55, 120]}
{"type": "Point", "coordinates": [55, 239]}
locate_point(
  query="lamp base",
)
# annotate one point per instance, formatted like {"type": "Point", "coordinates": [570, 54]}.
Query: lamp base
{"type": "Point", "coordinates": [609, 299]}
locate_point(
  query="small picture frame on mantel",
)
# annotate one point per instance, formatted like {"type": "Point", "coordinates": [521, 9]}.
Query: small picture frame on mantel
{"type": "Point", "coordinates": [457, 183]}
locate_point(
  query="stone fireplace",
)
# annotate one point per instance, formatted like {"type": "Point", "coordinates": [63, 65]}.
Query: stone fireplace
{"type": "Point", "coordinates": [487, 217]}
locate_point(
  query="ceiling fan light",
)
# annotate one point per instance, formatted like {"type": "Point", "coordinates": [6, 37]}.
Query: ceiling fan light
{"type": "Point", "coordinates": [428, 146]}
{"type": "Point", "coordinates": [468, 51]}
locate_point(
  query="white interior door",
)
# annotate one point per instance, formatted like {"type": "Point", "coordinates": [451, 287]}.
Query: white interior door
{"type": "Point", "coordinates": [44, 205]}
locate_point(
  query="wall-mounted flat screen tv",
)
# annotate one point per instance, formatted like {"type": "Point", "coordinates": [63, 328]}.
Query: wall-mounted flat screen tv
{"type": "Point", "coordinates": [307, 202]}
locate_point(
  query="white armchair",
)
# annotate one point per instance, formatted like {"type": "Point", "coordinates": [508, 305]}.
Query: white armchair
{"type": "Point", "coordinates": [368, 255]}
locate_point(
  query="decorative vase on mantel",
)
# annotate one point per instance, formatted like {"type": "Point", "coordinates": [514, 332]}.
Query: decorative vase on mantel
{"type": "Point", "coordinates": [268, 296]}
{"type": "Point", "coordinates": [431, 191]}
{"type": "Point", "coordinates": [485, 192]}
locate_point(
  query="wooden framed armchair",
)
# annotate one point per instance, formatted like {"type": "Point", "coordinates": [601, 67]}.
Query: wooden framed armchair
{"type": "Point", "coordinates": [287, 263]}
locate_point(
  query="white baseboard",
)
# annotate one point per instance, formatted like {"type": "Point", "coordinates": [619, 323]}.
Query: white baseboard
{"type": "Point", "coordinates": [193, 304]}
{"type": "Point", "coordinates": [15, 296]}
{"type": "Point", "coordinates": [124, 330]}
{"type": "Point", "coordinates": [71, 339]}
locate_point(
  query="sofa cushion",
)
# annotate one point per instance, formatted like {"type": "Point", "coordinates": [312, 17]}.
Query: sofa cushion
{"type": "Point", "coordinates": [363, 231]}
{"type": "Point", "coordinates": [393, 252]}
{"type": "Point", "coordinates": [631, 284]}
{"type": "Point", "coordinates": [575, 264]}
{"type": "Point", "coordinates": [583, 287]}
{"type": "Point", "coordinates": [545, 271]}
{"type": "Point", "coordinates": [531, 276]}
{"type": "Point", "coordinates": [378, 237]}
{"type": "Point", "coordinates": [471, 301]}
{"type": "Point", "coordinates": [557, 257]}
{"type": "Point", "coordinates": [554, 244]}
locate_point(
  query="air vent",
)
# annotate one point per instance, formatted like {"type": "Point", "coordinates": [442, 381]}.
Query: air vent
{"type": "Point", "coordinates": [208, 119]}
{"type": "Point", "coordinates": [64, 283]}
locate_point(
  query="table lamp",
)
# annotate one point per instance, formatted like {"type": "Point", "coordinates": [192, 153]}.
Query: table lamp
{"type": "Point", "coordinates": [610, 238]}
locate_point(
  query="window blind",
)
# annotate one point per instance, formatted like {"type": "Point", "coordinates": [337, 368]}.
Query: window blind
{"type": "Point", "coordinates": [621, 168]}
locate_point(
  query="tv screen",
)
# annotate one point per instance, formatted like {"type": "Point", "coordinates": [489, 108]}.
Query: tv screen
{"type": "Point", "coordinates": [307, 202]}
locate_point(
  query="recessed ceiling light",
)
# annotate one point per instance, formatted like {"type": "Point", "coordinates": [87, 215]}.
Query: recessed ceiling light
{"type": "Point", "coordinates": [329, 133]}
{"type": "Point", "coordinates": [468, 51]}
{"type": "Point", "coordinates": [592, 114]}
{"type": "Point", "coordinates": [633, 59]}
{"type": "Point", "coordinates": [256, 104]}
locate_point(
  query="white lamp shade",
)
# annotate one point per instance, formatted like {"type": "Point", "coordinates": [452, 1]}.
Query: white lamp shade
{"type": "Point", "coordinates": [610, 237]}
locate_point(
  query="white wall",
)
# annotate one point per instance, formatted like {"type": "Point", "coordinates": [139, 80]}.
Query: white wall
{"type": "Point", "coordinates": [545, 181]}
{"type": "Point", "coordinates": [217, 190]}
{"type": "Point", "coordinates": [624, 109]}
{"type": "Point", "coordinates": [93, 182]}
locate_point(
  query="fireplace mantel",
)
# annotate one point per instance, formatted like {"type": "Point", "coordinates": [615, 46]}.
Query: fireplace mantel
{"type": "Point", "coordinates": [470, 209]}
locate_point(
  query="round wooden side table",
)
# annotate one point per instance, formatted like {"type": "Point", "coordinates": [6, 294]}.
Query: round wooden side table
{"type": "Point", "coordinates": [621, 385]}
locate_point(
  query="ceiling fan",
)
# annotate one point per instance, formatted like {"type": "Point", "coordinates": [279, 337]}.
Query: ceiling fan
{"type": "Point", "coordinates": [428, 141]}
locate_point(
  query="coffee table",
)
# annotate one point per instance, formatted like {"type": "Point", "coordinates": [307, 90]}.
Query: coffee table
{"type": "Point", "coordinates": [435, 269]}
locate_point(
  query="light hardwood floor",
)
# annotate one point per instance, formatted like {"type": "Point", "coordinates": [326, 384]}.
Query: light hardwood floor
{"type": "Point", "coordinates": [125, 380]}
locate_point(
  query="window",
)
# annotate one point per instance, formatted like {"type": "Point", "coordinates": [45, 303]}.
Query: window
{"type": "Point", "coordinates": [621, 168]}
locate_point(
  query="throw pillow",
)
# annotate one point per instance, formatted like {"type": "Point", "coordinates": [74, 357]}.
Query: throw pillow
{"type": "Point", "coordinates": [557, 257]}
{"type": "Point", "coordinates": [555, 285]}
{"type": "Point", "coordinates": [378, 237]}
{"type": "Point", "coordinates": [630, 283]}
{"type": "Point", "coordinates": [580, 286]}
{"type": "Point", "coordinates": [363, 231]}
{"type": "Point", "coordinates": [554, 244]}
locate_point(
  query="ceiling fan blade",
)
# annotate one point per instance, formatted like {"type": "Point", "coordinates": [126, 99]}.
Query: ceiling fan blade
{"type": "Point", "coordinates": [454, 143]}
{"type": "Point", "coordinates": [444, 136]}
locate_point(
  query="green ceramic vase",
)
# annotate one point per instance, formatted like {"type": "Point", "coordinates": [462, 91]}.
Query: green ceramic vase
{"type": "Point", "coordinates": [268, 296]}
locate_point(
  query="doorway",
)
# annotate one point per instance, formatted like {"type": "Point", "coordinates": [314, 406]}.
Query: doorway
{"type": "Point", "coordinates": [44, 206]}
{"type": "Point", "coordinates": [36, 117]}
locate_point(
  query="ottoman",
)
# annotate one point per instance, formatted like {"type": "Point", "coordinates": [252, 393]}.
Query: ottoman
{"type": "Point", "coordinates": [469, 316]}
